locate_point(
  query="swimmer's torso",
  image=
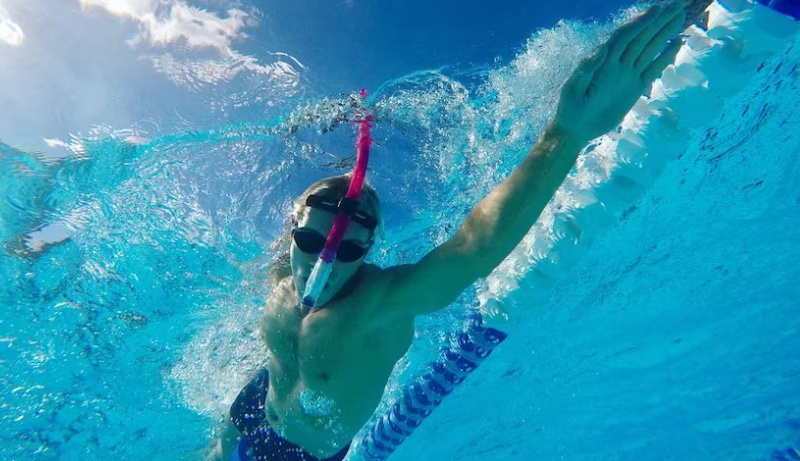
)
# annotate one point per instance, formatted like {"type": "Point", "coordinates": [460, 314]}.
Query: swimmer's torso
{"type": "Point", "coordinates": [328, 367]}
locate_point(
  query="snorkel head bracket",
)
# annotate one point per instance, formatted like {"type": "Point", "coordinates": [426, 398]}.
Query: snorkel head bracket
{"type": "Point", "coordinates": [346, 205]}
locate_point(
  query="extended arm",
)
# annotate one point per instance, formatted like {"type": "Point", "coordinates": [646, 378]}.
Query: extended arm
{"type": "Point", "coordinates": [593, 101]}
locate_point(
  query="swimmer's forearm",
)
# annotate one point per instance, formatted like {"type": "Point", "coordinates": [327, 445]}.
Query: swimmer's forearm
{"type": "Point", "coordinates": [500, 221]}
{"type": "Point", "coordinates": [215, 454]}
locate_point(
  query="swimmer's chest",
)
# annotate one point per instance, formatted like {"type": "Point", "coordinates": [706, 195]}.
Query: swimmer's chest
{"type": "Point", "coordinates": [316, 345]}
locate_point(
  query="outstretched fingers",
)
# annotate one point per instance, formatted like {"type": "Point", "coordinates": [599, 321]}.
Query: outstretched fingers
{"type": "Point", "coordinates": [623, 36]}
{"type": "Point", "coordinates": [659, 41]}
{"type": "Point", "coordinates": [656, 68]}
{"type": "Point", "coordinates": [663, 21]}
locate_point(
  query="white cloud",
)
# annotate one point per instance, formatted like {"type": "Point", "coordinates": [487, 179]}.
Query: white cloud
{"type": "Point", "coordinates": [165, 22]}
{"type": "Point", "coordinates": [10, 32]}
{"type": "Point", "coordinates": [199, 72]}
{"type": "Point", "coordinates": [162, 22]}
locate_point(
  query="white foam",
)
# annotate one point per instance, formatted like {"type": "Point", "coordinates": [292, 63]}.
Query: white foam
{"type": "Point", "coordinates": [614, 173]}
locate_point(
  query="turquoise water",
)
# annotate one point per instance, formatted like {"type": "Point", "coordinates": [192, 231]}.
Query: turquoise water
{"type": "Point", "coordinates": [675, 337]}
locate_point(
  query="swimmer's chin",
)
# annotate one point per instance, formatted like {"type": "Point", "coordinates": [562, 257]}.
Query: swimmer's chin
{"type": "Point", "coordinates": [325, 295]}
{"type": "Point", "coordinates": [301, 285]}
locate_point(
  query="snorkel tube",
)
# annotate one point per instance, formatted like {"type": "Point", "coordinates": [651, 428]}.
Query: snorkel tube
{"type": "Point", "coordinates": [348, 207]}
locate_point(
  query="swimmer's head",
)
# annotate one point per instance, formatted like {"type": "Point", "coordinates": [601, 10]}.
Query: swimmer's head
{"type": "Point", "coordinates": [311, 226]}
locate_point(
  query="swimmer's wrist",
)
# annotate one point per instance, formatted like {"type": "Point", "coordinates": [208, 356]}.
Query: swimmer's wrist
{"type": "Point", "coordinates": [563, 136]}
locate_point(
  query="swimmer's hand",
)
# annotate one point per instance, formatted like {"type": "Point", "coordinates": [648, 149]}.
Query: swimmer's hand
{"type": "Point", "coordinates": [606, 85]}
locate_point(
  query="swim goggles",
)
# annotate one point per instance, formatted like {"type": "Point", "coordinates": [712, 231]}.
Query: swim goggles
{"type": "Point", "coordinates": [312, 242]}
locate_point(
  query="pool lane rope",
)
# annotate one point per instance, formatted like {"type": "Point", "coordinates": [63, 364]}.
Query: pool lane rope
{"type": "Point", "coordinates": [712, 66]}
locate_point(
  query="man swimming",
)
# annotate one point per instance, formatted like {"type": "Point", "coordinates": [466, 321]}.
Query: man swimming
{"type": "Point", "coordinates": [327, 366]}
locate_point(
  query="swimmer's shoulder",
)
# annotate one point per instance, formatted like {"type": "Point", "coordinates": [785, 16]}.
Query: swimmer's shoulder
{"type": "Point", "coordinates": [367, 286]}
{"type": "Point", "coordinates": [372, 279]}
{"type": "Point", "coordinates": [281, 293]}
{"type": "Point", "coordinates": [283, 285]}
{"type": "Point", "coordinates": [374, 289]}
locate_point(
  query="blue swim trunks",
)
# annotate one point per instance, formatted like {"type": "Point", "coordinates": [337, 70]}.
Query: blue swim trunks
{"type": "Point", "coordinates": [259, 442]}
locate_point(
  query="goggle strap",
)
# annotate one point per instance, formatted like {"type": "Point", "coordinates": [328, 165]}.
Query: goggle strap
{"type": "Point", "coordinates": [345, 205]}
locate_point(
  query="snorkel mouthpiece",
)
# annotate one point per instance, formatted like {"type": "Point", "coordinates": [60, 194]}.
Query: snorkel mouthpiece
{"type": "Point", "coordinates": [319, 276]}
{"type": "Point", "coordinates": [322, 269]}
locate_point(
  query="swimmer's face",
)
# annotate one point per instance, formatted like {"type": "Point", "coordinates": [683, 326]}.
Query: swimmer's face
{"type": "Point", "coordinates": [317, 224]}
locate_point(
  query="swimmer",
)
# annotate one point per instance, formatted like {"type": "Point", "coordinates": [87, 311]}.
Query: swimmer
{"type": "Point", "coordinates": [328, 365]}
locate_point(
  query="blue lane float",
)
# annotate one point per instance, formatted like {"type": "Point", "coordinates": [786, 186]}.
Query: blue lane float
{"type": "Point", "coordinates": [472, 346]}
{"type": "Point", "coordinates": [713, 65]}
{"type": "Point", "coordinates": [787, 7]}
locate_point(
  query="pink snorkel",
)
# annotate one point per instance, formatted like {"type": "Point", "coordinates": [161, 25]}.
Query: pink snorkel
{"type": "Point", "coordinates": [348, 206]}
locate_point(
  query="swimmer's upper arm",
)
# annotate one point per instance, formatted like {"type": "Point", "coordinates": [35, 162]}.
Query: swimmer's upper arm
{"type": "Point", "coordinates": [434, 282]}
{"type": "Point", "coordinates": [489, 233]}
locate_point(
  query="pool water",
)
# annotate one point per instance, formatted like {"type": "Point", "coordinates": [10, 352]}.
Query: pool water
{"type": "Point", "coordinates": [135, 260]}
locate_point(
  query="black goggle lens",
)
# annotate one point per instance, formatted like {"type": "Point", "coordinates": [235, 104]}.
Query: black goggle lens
{"type": "Point", "coordinates": [312, 242]}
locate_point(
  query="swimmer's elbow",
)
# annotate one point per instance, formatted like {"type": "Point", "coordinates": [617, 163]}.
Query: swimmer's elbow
{"type": "Point", "coordinates": [468, 260]}
{"type": "Point", "coordinates": [228, 439]}
{"type": "Point", "coordinates": [216, 453]}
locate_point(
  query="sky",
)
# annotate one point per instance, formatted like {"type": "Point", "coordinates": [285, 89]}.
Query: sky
{"type": "Point", "coordinates": [372, 41]}
{"type": "Point", "coordinates": [79, 67]}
